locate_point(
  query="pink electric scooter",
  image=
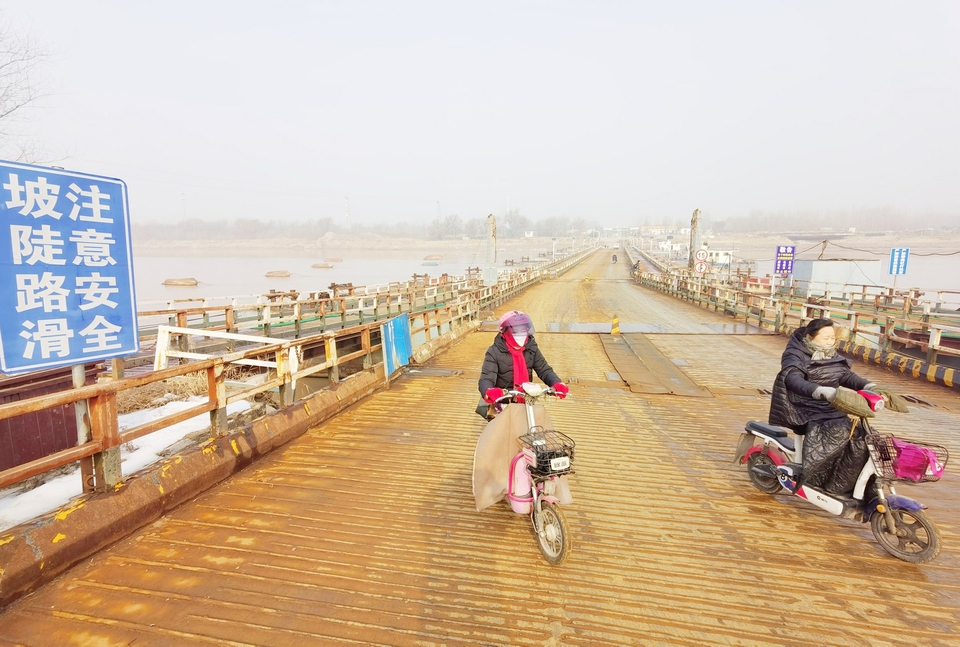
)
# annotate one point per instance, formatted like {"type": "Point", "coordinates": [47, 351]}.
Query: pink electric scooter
{"type": "Point", "coordinates": [545, 457]}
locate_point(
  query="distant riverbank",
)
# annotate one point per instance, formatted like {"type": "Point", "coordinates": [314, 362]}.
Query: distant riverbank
{"type": "Point", "coordinates": [238, 267]}
{"type": "Point", "coordinates": [327, 245]}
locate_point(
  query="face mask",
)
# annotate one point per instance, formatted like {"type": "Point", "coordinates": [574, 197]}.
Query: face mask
{"type": "Point", "coordinates": [520, 339]}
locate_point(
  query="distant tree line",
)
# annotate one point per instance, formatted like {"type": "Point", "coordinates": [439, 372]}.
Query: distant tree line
{"type": "Point", "coordinates": [513, 224]}
{"type": "Point", "coordinates": [451, 227]}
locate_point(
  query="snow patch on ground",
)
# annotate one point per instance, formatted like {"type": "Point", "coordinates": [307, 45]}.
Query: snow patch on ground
{"type": "Point", "coordinates": [17, 507]}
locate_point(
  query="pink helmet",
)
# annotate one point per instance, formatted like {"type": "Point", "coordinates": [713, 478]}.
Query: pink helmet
{"type": "Point", "coordinates": [516, 323]}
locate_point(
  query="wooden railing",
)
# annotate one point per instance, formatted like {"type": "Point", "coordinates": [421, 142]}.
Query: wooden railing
{"type": "Point", "coordinates": [283, 359]}
{"type": "Point", "coordinates": [434, 310]}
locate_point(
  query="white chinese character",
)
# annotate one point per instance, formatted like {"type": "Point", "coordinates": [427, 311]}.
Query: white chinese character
{"type": "Point", "coordinates": [32, 245]}
{"type": "Point", "coordinates": [40, 198]}
{"type": "Point", "coordinates": [41, 291]}
{"type": "Point", "coordinates": [93, 248]}
{"type": "Point", "coordinates": [96, 294]}
{"type": "Point", "coordinates": [100, 335]}
{"type": "Point", "coordinates": [94, 205]}
{"type": "Point", "coordinates": [53, 335]}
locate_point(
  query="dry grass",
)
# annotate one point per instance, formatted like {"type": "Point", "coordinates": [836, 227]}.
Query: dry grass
{"type": "Point", "coordinates": [180, 388]}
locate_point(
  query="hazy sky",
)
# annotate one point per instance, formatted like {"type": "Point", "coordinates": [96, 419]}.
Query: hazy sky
{"type": "Point", "coordinates": [608, 110]}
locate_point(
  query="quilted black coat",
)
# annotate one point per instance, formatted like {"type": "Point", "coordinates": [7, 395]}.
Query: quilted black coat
{"type": "Point", "coordinates": [497, 370]}
{"type": "Point", "coordinates": [792, 404]}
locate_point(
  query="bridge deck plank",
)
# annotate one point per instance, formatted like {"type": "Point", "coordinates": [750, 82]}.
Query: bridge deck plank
{"type": "Point", "coordinates": [363, 531]}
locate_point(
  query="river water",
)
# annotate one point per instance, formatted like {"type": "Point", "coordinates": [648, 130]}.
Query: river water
{"type": "Point", "coordinates": [221, 276]}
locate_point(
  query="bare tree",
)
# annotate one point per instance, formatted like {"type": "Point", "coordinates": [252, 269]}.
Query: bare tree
{"type": "Point", "coordinates": [20, 59]}
{"type": "Point", "coordinates": [514, 225]}
{"type": "Point", "coordinates": [475, 227]}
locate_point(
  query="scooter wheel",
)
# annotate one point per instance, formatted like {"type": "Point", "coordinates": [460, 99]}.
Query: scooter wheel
{"type": "Point", "coordinates": [554, 537]}
{"type": "Point", "coordinates": [916, 539]}
{"type": "Point", "coordinates": [757, 467]}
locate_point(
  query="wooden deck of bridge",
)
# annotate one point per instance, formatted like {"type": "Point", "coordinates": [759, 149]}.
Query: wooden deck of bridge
{"type": "Point", "coordinates": [363, 531]}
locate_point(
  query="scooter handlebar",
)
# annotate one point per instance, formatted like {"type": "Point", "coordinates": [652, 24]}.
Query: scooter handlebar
{"type": "Point", "coordinates": [513, 393]}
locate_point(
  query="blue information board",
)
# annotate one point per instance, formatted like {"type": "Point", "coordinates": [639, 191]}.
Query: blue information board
{"type": "Point", "coordinates": [66, 269]}
{"type": "Point", "coordinates": [898, 260]}
{"type": "Point", "coordinates": [783, 263]}
{"type": "Point", "coordinates": [397, 347]}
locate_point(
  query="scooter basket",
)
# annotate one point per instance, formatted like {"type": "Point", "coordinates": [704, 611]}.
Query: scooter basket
{"type": "Point", "coordinates": [899, 459]}
{"type": "Point", "coordinates": [551, 450]}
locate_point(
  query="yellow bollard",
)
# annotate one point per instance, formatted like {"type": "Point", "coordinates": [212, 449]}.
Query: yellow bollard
{"type": "Point", "coordinates": [615, 327]}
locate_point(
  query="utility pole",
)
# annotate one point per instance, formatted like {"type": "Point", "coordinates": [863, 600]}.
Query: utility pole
{"type": "Point", "coordinates": [490, 267]}
{"type": "Point", "coordinates": [694, 238]}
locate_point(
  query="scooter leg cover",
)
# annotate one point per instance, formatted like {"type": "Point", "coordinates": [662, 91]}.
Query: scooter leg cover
{"type": "Point", "coordinates": [831, 459]}
{"type": "Point", "coordinates": [522, 488]}
{"type": "Point", "coordinates": [497, 446]}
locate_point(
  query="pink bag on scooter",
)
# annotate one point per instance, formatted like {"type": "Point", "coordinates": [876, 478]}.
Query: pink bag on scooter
{"type": "Point", "coordinates": [914, 462]}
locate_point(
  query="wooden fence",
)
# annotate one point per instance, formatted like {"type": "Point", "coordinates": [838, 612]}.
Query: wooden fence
{"type": "Point", "coordinates": [206, 338]}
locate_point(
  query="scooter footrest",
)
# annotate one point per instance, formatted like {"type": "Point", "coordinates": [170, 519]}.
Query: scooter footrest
{"type": "Point", "coordinates": [793, 469]}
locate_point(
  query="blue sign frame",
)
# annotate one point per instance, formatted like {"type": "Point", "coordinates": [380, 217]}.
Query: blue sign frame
{"type": "Point", "coordinates": [898, 260]}
{"type": "Point", "coordinates": [66, 269]}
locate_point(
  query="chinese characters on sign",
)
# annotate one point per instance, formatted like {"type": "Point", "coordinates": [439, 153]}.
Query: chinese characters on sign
{"type": "Point", "coordinates": [66, 271]}
{"type": "Point", "coordinates": [783, 264]}
{"type": "Point", "coordinates": [898, 260]}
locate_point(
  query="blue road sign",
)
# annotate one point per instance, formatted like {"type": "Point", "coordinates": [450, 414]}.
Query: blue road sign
{"type": "Point", "coordinates": [783, 263]}
{"type": "Point", "coordinates": [898, 260]}
{"type": "Point", "coordinates": [66, 269]}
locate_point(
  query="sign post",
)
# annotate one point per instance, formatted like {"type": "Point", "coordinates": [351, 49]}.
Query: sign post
{"type": "Point", "coordinates": [700, 261]}
{"type": "Point", "coordinates": [783, 265]}
{"type": "Point", "coordinates": [66, 269]}
{"type": "Point", "coordinates": [66, 276]}
{"type": "Point", "coordinates": [898, 262]}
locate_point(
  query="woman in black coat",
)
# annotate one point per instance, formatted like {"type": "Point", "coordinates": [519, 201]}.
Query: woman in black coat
{"type": "Point", "coordinates": [511, 358]}
{"type": "Point", "coordinates": [810, 373]}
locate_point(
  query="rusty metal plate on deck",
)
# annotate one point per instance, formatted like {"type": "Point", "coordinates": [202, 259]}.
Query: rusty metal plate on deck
{"type": "Point", "coordinates": [646, 369]}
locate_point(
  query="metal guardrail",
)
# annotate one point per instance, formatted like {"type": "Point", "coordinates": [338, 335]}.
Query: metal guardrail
{"type": "Point", "coordinates": [876, 317]}
{"type": "Point", "coordinates": [432, 313]}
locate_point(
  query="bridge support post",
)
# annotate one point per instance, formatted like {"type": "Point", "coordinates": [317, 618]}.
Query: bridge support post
{"type": "Point", "coordinates": [330, 350]}
{"type": "Point", "coordinates": [365, 345]}
{"type": "Point", "coordinates": [83, 426]}
{"type": "Point", "coordinates": [106, 429]}
{"type": "Point", "coordinates": [217, 391]}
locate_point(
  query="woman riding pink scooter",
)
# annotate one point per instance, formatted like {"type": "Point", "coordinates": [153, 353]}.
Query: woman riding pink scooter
{"type": "Point", "coordinates": [511, 358]}
{"type": "Point", "coordinates": [520, 456]}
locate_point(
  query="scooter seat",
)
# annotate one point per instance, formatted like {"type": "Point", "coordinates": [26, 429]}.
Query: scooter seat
{"type": "Point", "coordinates": [786, 443]}
{"type": "Point", "coordinates": [772, 431]}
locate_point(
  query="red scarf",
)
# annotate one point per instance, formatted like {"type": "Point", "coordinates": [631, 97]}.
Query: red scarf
{"type": "Point", "coordinates": [519, 362]}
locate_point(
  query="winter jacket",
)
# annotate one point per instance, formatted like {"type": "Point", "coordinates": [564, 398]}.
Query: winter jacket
{"type": "Point", "coordinates": [497, 370]}
{"type": "Point", "coordinates": [792, 404]}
